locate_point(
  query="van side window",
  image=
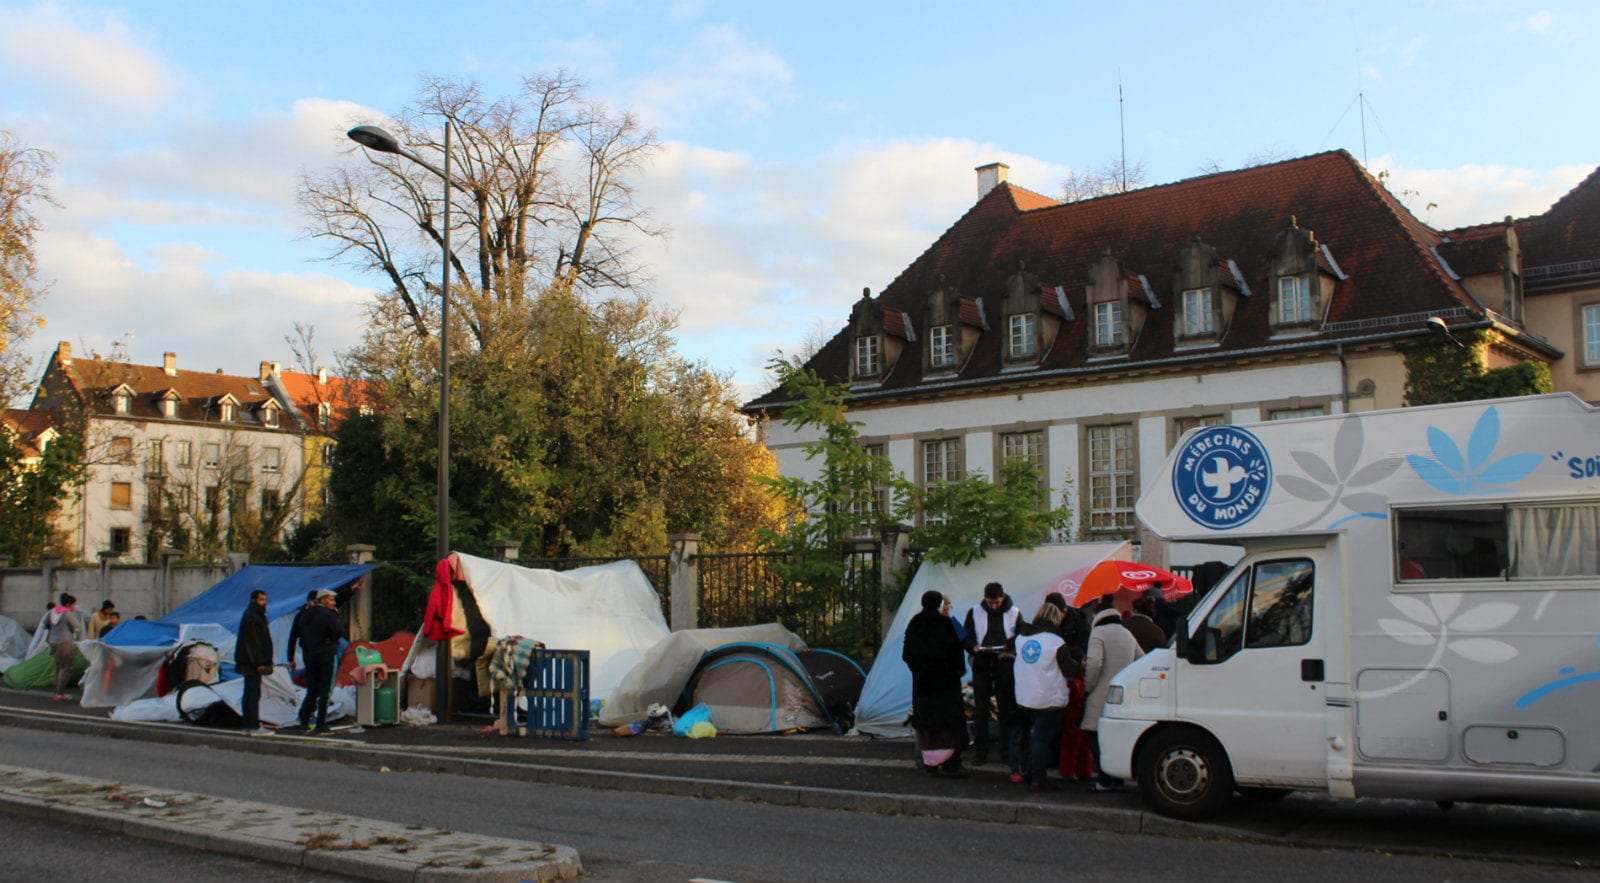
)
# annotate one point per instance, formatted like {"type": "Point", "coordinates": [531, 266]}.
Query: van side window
{"type": "Point", "coordinates": [1280, 606]}
{"type": "Point", "coordinates": [1467, 542]}
{"type": "Point", "coordinates": [1277, 595]}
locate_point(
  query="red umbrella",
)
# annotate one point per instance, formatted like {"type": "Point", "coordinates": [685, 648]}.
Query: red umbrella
{"type": "Point", "coordinates": [1087, 584]}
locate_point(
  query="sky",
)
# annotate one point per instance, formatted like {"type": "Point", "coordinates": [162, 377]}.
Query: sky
{"type": "Point", "coordinates": [808, 150]}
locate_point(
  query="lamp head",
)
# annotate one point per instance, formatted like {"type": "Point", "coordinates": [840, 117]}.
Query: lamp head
{"type": "Point", "coordinates": [1437, 324]}
{"type": "Point", "coordinates": [374, 138]}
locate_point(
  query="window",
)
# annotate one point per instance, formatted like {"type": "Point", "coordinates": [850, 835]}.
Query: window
{"type": "Point", "coordinates": [211, 455]}
{"type": "Point", "coordinates": [122, 403]}
{"type": "Point", "coordinates": [270, 501]}
{"type": "Point", "coordinates": [1268, 605]}
{"type": "Point", "coordinates": [121, 495]}
{"type": "Point", "coordinates": [941, 346]}
{"type": "Point", "coordinates": [1111, 477]}
{"type": "Point", "coordinates": [121, 540]}
{"type": "Point", "coordinates": [157, 452]}
{"type": "Point", "coordinates": [183, 495]}
{"type": "Point", "coordinates": [1294, 300]}
{"type": "Point", "coordinates": [1181, 425]}
{"type": "Point", "coordinates": [152, 499]}
{"type": "Point", "coordinates": [327, 453]}
{"type": "Point", "coordinates": [1296, 413]}
{"type": "Point", "coordinates": [213, 498]}
{"type": "Point", "coordinates": [941, 462]}
{"type": "Point", "coordinates": [866, 355]}
{"type": "Point", "coordinates": [269, 416]}
{"type": "Point", "coordinates": [1108, 323]}
{"type": "Point", "coordinates": [875, 506]}
{"type": "Point", "coordinates": [184, 454]}
{"type": "Point", "coordinates": [324, 414]}
{"type": "Point", "coordinates": [1590, 322]}
{"type": "Point", "coordinates": [122, 449]}
{"type": "Point", "coordinates": [228, 412]}
{"type": "Point", "coordinates": [1028, 446]}
{"type": "Point", "coordinates": [270, 459]}
{"type": "Point", "coordinates": [1498, 542]}
{"type": "Point", "coordinates": [1198, 318]}
{"type": "Point", "coordinates": [1020, 344]}
{"type": "Point", "coordinates": [169, 407]}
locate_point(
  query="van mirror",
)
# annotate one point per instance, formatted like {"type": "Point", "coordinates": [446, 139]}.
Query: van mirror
{"type": "Point", "coordinates": [1182, 643]}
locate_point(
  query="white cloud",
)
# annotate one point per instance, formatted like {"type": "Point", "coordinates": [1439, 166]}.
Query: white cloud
{"type": "Point", "coordinates": [1477, 194]}
{"type": "Point", "coordinates": [717, 75]}
{"type": "Point", "coordinates": [85, 59]}
{"type": "Point", "coordinates": [1541, 22]}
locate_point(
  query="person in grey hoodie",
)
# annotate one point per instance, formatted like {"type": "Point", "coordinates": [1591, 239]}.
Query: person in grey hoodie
{"type": "Point", "coordinates": [65, 630]}
{"type": "Point", "coordinates": [1111, 649]}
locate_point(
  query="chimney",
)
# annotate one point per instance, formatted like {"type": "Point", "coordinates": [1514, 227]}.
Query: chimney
{"type": "Point", "coordinates": [169, 364]}
{"type": "Point", "coordinates": [64, 353]}
{"type": "Point", "coordinates": [322, 376]}
{"type": "Point", "coordinates": [990, 177]}
{"type": "Point", "coordinates": [267, 370]}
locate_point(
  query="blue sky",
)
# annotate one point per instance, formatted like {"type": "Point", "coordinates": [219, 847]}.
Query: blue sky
{"type": "Point", "coordinates": [809, 150]}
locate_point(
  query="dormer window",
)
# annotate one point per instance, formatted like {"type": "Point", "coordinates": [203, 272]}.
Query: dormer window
{"type": "Point", "coordinates": [1199, 313]}
{"type": "Point", "coordinates": [169, 408]}
{"type": "Point", "coordinates": [269, 417]}
{"type": "Point", "coordinates": [324, 414]}
{"type": "Point", "coordinates": [1108, 324]}
{"type": "Point", "coordinates": [1020, 339]}
{"type": "Point", "coordinates": [866, 362]}
{"type": "Point", "coordinates": [122, 402]}
{"type": "Point", "coordinates": [1294, 300]}
{"type": "Point", "coordinates": [942, 346]}
{"type": "Point", "coordinates": [227, 412]}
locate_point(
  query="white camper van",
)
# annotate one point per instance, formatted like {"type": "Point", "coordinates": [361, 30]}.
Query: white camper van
{"type": "Point", "coordinates": [1416, 613]}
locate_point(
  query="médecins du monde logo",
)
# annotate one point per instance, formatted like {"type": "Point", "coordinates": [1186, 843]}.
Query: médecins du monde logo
{"type": "Point", "coordinates": [1222, 476]}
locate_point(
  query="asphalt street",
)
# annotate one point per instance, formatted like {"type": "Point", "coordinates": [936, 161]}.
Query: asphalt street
{"type": "Point", "coordinates": [642, 836]}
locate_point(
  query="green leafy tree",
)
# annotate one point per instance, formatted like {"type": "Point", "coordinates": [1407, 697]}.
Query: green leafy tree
{"type": "Point", "coordinates": [962, 519]}
{"type": "Point", "coordinates": [32, 494]}
{"type": "Point", "coordinates": [24, 175]}
{"type": "Point", "coordinates": [1440, 371]}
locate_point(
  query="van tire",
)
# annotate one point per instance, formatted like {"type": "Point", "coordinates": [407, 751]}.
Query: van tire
{"type": "Point", "coordinates": [1185, 774]}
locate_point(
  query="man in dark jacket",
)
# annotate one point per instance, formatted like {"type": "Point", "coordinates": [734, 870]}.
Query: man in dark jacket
{"type": "Point", "coordinates": [252, 658]}
{"type": "Point", "coordinates": [320, 633]}
{"type": "Point", "coordinates": [991, 627]}
{"type": "Point", "coordinates": [294, 627]}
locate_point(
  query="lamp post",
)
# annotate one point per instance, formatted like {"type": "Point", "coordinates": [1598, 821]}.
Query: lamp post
{"type": "Point", "coordinates": [375, 138]}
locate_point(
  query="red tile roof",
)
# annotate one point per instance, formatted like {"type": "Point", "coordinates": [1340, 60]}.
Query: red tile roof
{"type": "Point", "coordinates": [1385, 252]}
{"type": "Point", "coordinates": [28, 426]}
{"type": "Point", "coordinates": [340, 393]}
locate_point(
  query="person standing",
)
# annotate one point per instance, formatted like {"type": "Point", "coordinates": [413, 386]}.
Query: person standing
{"type": "Point", "coordinates": [1142, 625]}
{"type": "Point", "coordinates": [1111, 649]}
{"type": "Point", "coordinates": [991, 627]}
{"type": "Point", "coordinates": [65, 630]}
{"type": "Point", "coordinates": [294, 627]}
{"type": "Point", "coordinates": [1044, 663]}
{"type": "Point", "coordinates": [252, 658]}
{"type": "Point", "coordinates": [320, 633]}
{"type": "Point", "coordinates": [100, 621]}
{"type": "Point", "coordinates": [933, 652]}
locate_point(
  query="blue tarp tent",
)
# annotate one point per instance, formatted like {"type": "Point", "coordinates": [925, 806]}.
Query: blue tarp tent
{"type": "Point", "coordinates": [123, 665]}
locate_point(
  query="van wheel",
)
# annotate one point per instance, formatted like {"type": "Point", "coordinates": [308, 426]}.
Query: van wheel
{"type": "Point", "coordinates": [1185, 774]}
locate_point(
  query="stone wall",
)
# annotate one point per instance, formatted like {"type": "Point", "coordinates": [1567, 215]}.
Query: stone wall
{"type": "Point", "coordinates": [137, 590]}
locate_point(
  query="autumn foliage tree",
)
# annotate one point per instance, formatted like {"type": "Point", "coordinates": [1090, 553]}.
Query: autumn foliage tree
{"type": "Point", "coordinates": [24, 176]}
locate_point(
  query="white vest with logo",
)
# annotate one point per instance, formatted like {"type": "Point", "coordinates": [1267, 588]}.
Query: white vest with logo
{"type": "Point", "coordinates": [980, 622]}
{"type": "Point", "coordinates": [1038, 677]}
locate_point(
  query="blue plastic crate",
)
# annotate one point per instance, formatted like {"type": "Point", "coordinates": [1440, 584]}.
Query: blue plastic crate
{"type": "Point", "coordinates": [556, 696]}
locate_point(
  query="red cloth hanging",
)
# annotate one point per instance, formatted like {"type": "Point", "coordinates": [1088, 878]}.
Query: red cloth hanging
{"type": "Point", "coordinates": [436, 622]}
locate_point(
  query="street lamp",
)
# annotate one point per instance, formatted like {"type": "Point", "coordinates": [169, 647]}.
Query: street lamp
{"type": "Point", "coordinates": [375, 138]}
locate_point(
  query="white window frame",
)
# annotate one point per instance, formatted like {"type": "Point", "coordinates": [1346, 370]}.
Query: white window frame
{"type": "Point", "coordinates": [941, 462]}
{"type": "Point", "coordinates": [184, 454]}
{"type": "Point", "coordinates": [876, 503]}
{"type": "Point", "coordinates": [1294, 300]}
{"type": "Point", "coordinates": [1199, 315]}
{"type": "Point", "coordinates": [1108, 323]}
{"type": "Point", "coordinates": [866, 356]}
{"type": "Point", "coordinates": [324, 414]}
{"type": "Point", "coordinates": [941, 346]}
{"type": "Point", "coordinates": [1589, 333]}
{"type": "Point", "coordinates": [1113, 476]}
{"type": "Point", "coordinates": [227, 412]}
{"type": "Point", "coordinates": [211, 455]}
{"type": "Point", "coordinates": [271, 459]}
{"type": "Point", "coordinates": [1020, 335]}
{"type": "Point", "coordinates": [122, 403]}
{"type": "Point", "coordinates": [1181, 425]}
{"type": "Point", "coordinates": [169, 407]}
{"type": "Point", "coordinates": [269, 416]}
{"type": "Point", "coordinates": [1296, 413]}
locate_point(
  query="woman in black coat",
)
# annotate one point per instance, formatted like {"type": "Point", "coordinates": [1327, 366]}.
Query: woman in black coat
{"type": "Point", "coordinates": [934, 654]}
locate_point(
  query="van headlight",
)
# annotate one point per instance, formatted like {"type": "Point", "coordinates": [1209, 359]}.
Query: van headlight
{"type": "Point", "coordinates": [1114, 696]}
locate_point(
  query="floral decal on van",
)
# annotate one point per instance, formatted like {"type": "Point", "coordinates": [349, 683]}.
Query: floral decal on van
{"type": "Point", "coordinates": [1332, 483]}
{"type": "Point", "coordinates": [1471, 472]}
{"type": "Point", "coordinates": [1431, 623]}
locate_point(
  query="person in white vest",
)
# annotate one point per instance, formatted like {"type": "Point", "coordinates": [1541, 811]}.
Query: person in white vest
{"type": "Point", "coordinates": [991, 627]}
{"type": "Point", "coordinates": [1044, 663]}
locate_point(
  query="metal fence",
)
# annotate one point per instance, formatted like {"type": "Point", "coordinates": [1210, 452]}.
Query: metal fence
{"type": "Point", "coordinates": [748, 589]}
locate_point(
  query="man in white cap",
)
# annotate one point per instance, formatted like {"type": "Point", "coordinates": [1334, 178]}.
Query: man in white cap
{"type": "Point", "coordinates": [320, 634]}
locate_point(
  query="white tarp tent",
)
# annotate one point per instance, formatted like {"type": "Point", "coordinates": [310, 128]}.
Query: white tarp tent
{"type": "Point", "coordinates": [14, 642]}
{"type": "Point", "coordinates": [610, 610]}
{"type": "Point", "coordinates": [1027, 574]}
{"type": "Point", "coordinates": [664, 671]}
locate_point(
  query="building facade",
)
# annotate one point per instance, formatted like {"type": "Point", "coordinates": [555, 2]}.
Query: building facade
{"type": "Point", "coordinates": [1087, 337]}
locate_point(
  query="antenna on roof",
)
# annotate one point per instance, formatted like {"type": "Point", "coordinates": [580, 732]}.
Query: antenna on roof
{"type": "Point", "coordinates": [1361, 99]}
{"type": "Point", "coordinates": [1122, 132]}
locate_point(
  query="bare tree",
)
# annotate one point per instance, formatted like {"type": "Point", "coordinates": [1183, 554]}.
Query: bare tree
{"type": "Point", "coordinates": [24, 173]}
{"type": "Point", "coordinates": [1112, 176]}
{"type": "Point", "coordinates": [543, 196]}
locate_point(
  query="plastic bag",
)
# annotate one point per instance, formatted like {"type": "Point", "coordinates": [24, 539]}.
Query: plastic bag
{"type": "Point", "coordinates": [687, 720]}
{"type": "Point", "coordinates": [703, 730]}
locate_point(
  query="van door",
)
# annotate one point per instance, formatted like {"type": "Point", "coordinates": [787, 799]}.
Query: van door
{"type": "Point", "coordinates": [1257, 666]}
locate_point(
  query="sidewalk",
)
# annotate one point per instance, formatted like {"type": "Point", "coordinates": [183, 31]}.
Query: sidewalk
{"type": "Point", "coordinates": [867, 775]}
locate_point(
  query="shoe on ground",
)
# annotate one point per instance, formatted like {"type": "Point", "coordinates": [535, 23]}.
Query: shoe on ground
{"type": "Point", "coordinates": [258, 731]}
{"type": "Point", "coordinates": [60, 697]}
{"type": "Point", "coordinates": [1103, 788]}
{"type": "Point", "coordinates": [1046, 787]}
{"type": "Point", "coordinates": [1018, 779]}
